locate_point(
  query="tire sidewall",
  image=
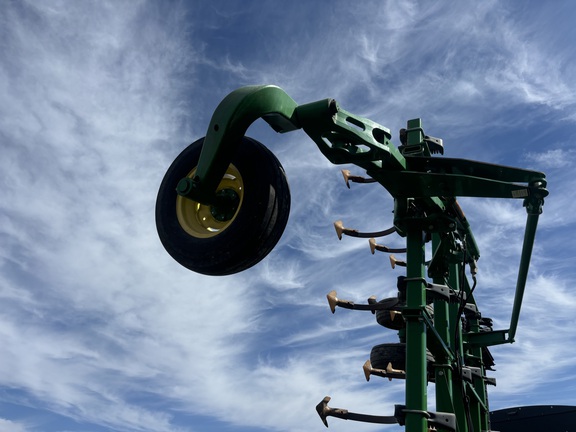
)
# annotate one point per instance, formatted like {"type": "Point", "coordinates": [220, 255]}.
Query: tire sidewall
{"type": "Point", "coordinates": [246, 240]}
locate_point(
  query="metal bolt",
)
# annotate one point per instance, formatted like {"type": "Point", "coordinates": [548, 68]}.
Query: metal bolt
{"type": "Point", "coordinates": [184, 186]}
{"type": "Point", "coordinates": [333, 107]}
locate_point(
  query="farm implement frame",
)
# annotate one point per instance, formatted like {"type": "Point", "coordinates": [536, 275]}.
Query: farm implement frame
{"type": "Point", "coordinates": [224, 203]}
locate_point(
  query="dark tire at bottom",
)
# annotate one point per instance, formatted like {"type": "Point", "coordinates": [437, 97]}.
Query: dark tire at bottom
{"type": "Point", "coordinates": [395, 354]}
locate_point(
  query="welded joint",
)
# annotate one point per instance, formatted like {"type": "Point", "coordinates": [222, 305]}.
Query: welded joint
{"type": "Point", "coordinates": [476, 372]}
{"type": "Point", "coordinates": [433, 291]}
{"type": "Point", "coordinates": [536, 193]}
{"type": "Point", "coordinates": [471, 311]}
{"type": "Point", "coordinates": [441, 419]}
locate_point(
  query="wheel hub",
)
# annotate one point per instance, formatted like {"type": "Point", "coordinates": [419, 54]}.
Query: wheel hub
{"type": "Point", "coordinates": [208, 220]}
{"type": "Point", "coordinates": [225, 206]}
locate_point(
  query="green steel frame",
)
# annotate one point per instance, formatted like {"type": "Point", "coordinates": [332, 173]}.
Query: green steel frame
{"type": "Point", "coordinates": [424, 188]}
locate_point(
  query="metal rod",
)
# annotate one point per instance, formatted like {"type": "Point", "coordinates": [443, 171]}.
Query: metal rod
{"type": "Point", "coordinates": [416, 377]}
{"type": "Point", "coordinates": [529, 236]}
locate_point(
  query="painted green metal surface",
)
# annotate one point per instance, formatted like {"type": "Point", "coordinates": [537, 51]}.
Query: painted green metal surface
{"type": "Point", "coordinates": [416, 378]}
{"type": "Point", "coordinates": [424, 188]}
{"type": "Point", "coordinates": [228, 125]}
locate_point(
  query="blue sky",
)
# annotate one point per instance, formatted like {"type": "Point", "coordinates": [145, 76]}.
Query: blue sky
{"type": "Point", "coordinates": [100, 330]}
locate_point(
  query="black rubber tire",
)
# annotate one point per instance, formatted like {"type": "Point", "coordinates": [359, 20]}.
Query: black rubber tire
{"type": "Point", "coordinates": [258, 223]}
{"type": "Point", "coordinates": [395, 353]}
{"type": "Point", "coordinates": [384, 318]}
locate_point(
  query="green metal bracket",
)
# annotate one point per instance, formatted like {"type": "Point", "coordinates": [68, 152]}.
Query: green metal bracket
{"type": "Point", "coordinates": [228, 125]}
{"type": "Point", "coordinates": [346, 138]}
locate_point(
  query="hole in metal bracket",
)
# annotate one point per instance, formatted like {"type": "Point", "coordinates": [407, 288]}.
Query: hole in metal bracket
{"type": "Point", "coordinates": [379, 135]}
{"type": "Point", "coordinates": [357, 123]}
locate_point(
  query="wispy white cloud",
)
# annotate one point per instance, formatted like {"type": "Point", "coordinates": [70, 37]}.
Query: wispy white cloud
{"type": "Point", "coordinates": [10, 426]}
{"type": "Point", "coordinates": [542, 352]}
{"type": "Point", "coordinates": [554, 158]}
{"type": "Point", "coordinates": [91, 95]}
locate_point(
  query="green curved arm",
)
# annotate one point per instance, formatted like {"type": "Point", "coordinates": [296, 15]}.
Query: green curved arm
{"type": "Point", "coordinates": [228, 125]}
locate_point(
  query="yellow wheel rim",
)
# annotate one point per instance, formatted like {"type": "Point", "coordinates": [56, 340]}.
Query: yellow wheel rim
{"type": "Point", "coordinates": [199, 220]}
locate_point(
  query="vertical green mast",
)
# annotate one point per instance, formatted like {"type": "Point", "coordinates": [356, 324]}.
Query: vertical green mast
{"type": "Point", "coordinates": [416, 379]}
